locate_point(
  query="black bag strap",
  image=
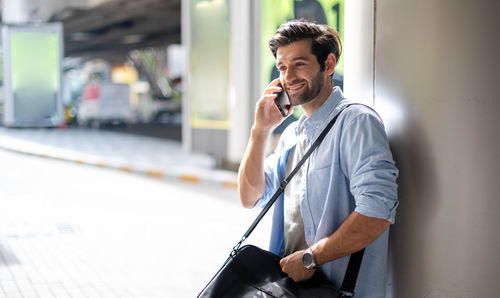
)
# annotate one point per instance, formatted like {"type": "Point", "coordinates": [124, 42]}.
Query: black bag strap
{"type": "Point", "coordinates": [351, 273]}
{"type": "Point", "coordinates": [355, 260]}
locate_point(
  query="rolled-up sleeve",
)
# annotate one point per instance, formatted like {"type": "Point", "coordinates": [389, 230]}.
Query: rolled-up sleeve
{"type": "Point", "coordinates": [275, 163]}
{"type": "Point", "coordinates": [368, 164]}
{"type": "Point", "coordinates": [270, 166]}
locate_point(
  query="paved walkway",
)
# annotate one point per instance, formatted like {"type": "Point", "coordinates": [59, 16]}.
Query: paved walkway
{"type": "Point", "coordinates": [57, 245]}
{"type": "Point", "coordinates": [154, 157]}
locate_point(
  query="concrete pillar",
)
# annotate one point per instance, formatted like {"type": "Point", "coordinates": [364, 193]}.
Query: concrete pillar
{"type": "Point", "coordinates": [358, 50]}
{"type": "Point", "coordinates": [243, 88]}
{"type": "Point", "coordinates": [19, 11]}
{"type": "Point", "coordinates": [187, 143]}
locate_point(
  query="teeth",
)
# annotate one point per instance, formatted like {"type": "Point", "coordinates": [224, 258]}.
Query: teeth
{"type": "Point", "coordinates": [294, 88]}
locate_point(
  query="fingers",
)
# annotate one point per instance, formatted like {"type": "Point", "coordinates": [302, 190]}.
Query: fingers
{"type": "Point", "coordinates": [266, 98]}
{"type": "Point", "coordinates": [282, 264]}
{"type": "Point", "coordinates": [273, 87]}
{"type": "Point", "coordinates": [267, 103]}
{"type": "Point", "coordinates": [292, 266]}
{"type": "Point", "coordinates": [275, 82]}
{"type": "Point", "coordinates": [267, 114]}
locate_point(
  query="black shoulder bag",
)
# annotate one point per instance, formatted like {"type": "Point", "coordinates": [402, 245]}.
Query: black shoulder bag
{"type": "Point", "coordinates": [253, 272]}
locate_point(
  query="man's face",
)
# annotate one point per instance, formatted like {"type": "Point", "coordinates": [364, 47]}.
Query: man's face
{"type": "Point", "coordinates": [300, 72]}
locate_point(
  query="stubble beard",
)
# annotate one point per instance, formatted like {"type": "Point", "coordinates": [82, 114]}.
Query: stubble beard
{"type": "Point", "coordinates": [310, 93]}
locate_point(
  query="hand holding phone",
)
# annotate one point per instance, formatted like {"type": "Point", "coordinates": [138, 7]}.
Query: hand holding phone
{"type": "Point", "coordinates": [282, 101]}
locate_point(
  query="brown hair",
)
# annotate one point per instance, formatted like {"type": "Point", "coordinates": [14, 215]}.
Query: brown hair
{"type": "Point", "coordinates": [325, 40]}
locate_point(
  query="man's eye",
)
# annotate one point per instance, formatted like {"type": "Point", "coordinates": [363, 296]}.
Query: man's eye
{"type": "Point", "coordinates": [282, 68]}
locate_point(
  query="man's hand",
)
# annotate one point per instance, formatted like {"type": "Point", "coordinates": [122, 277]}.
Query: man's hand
{"type": "Point", "coordinates": [267, 114]}
{"type": "Point", "coordinates": [251, 178]}
{"type": "Point", "coordinates": [293, 267]}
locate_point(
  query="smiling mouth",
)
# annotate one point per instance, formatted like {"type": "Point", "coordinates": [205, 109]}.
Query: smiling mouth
{"type": "Point", "coordinates": [295, 88]}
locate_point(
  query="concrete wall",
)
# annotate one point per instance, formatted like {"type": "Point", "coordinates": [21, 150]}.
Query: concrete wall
{"type": "Point", "coordinates": [435, 79]}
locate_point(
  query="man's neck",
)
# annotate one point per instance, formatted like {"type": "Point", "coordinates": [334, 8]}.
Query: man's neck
{"type": "Point", "coordinates": [315, 104]}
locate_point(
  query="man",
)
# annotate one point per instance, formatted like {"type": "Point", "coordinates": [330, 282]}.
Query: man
{"type": "Point", "coordinates": [344, 197]}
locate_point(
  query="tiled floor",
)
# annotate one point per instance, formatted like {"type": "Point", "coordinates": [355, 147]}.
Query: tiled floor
{"type": "Point", "coordinates": [68, 230]}
{"type": "Point", "coordinates": [58, 261]}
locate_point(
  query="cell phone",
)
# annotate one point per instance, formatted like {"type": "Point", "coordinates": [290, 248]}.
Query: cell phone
{"type": "Point", "coordinates": [282, 101]}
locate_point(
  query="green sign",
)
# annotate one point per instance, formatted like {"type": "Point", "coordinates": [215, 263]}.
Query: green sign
{"type": "Point", "coordinates": [35, 53]}
{"type": "Point", "coordinates": [35, 76]}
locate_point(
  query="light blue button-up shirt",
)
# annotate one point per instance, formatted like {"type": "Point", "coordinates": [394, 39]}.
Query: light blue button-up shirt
{"type": "Point", "coordinates": [352, 170]}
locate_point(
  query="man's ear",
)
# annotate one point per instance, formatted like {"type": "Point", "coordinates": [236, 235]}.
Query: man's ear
{"type": "Point", "coordinates": [330, 63]}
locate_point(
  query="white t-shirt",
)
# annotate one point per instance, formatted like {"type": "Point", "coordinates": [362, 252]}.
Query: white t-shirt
{"type": "Point", "coordinates": [294, 192]}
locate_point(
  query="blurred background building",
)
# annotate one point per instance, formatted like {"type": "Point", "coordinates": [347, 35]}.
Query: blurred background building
{"type": "Point", "coordinates": [113, 67]}
{"type": "Point", "coordinates": [429, 67]}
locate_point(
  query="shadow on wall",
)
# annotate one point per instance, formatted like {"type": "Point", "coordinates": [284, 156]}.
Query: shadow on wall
{"type": "Point", "coordinates": [418, 196]}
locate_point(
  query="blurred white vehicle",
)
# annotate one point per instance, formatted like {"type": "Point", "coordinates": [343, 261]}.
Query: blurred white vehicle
{"type": "Point", "coordinates": [155, 110]}
{"type": "Point", "coordinates": [105, 103]}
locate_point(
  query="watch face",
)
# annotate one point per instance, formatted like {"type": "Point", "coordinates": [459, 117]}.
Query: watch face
{"type": "Point", "coordinates": [307, 259]}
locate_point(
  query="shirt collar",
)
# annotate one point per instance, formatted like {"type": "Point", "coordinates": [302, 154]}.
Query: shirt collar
{"type": "Point", "coordinates": [321, 114]}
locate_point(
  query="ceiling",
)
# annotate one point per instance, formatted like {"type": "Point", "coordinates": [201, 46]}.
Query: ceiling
{"type": "Point", "coordinates": [112, 29]}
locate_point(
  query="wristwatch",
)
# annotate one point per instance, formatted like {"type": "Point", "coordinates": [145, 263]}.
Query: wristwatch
{"type": "Point", "coordinates": [308, 260]}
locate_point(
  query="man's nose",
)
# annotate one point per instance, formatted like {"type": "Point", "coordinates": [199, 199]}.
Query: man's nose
{"type": "Point", "coordinates": [290, 75]}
